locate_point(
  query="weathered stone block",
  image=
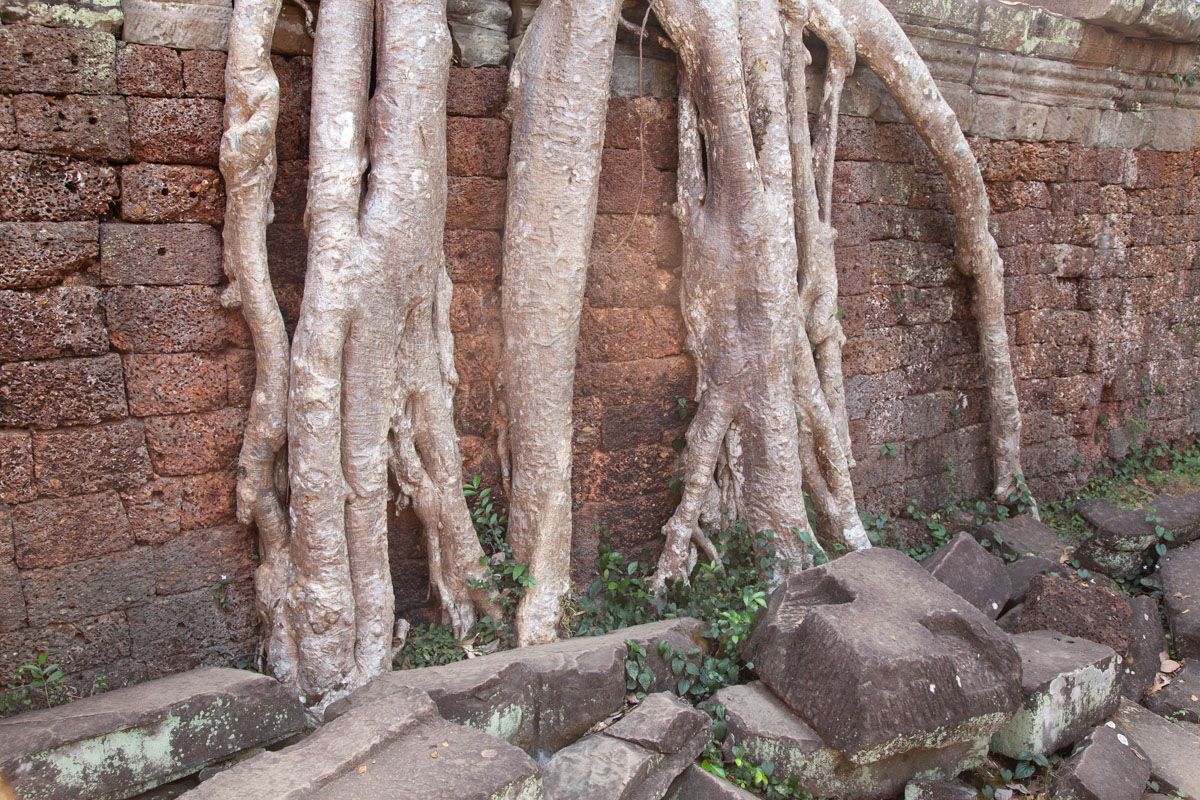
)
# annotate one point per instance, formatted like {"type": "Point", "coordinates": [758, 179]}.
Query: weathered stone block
{"type": "Point", "coordinates": [478, 92]}
{"type": "Point", "coordinates": [34, 255]}
{"type": "Point", "coordinates": [83, 126]}
{"type": "Point", "coordinates": [12, 601]}
{"type": "Point", "coordinates": [973, 573]}
{"type": "Point", "coordinates": [50, 533]}
{"type": "Point", "coordinates": [76, 391]}
{"type": "Point", "coordinates": [373, 752]}
{"type": "Point", "coordinates": [174, 383]}
{"type": "Point", "coordinates": [939, 790]}
{"type": "Point", "coordinates": [1070, 685]}
{"type": "Point", "coordinates": [698, 784]}
{"type": "Point", "coordinates": [191, 624]}
{"type": "Point", "coordinates": [166, 193]}
{"type": "Point", "coordinates": [160, 255]}
{"type": "Point", "coordinates": [16, 479]}
{"type": "Point", "coordinates": [79, 460]}
{"type": "Point", "coordinates": [202, 558]}
{"type": "Point", "coordinates": [175, 131]}
{"type": "Point", "coordinates": [1023, 535]}
{"type": "Point", "coordinates": [123, 742]}
{"type": "Point", "coordinates": [203, 73]}
{"type": "Point", "coordinates": [101, 15]}
{"type": "Point", "coordinates": [760, 722]}
{"type": "Point", "coordinates": [1179, 699]}
{"type": "Point", "coordinates": [185, 25]}
{"type": "Point", "coordinates": [475, 203]}
{"type": "Point", "coordinates": [1104, 766]}
{"type": "Point", "coordinates": [149, 71]}
{"type": "Point", "coordinates": [476, 146]}
{"type": "Point", "coordinates": [41, 187]}
{"type": "Point", "coordinates": [1181, 595]}
{"type": "Point", "coordinates": [1170, 746]}
{"type": "Point", "coordinates": [1022, 572]}
{"type": "Point", "coordinates": [167, 319]}
{"type": "Point", "coordinates": [51, 323]}
{"type": "Point", "coordinates": [56, 60]}
{"type": "Point", "coordinates": [84, 589]}
{"type": "Point", "coordinates": [188, 444]}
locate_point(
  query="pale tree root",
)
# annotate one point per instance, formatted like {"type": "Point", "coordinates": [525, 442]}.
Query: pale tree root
{"type": "Point", "coordinates": [559, 86]}
{"type": "Point", "coordinates": [883, 46]}
{"type": "Point", "coordinates": [248, 167]}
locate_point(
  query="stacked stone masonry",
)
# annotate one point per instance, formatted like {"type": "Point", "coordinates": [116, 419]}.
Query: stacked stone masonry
{"type": "Point", "coordinates": [123, 381]}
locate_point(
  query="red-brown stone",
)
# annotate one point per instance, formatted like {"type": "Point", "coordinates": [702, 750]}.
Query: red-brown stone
{"type": "Point", "coordinates": [50, 533]}
{"type": "Point", "coordinates": [83, 126]}
{"type": "Point", "coordinates": [166, 193]}
{"type": "Point", "coordinates": [174, 383]}
{"type": "Point", "coordinates": [149, 71]}
{"type": "Point", "coordinates": [65, 391]}
{"type": "Point", "coordinates": [167, 319]}
{"type": "Point", "coordinates": [42, 187]}
{"type": "Point", "coordinates": [51, 323]}
{"type": "Point", "coordinates": [90, 459]}
{"type": "Point", "coordinates": [190, 444]}
{"type": "Point", "coordinates": [160, 255]}
{"type": "Point", "coordinates": [175, 131]}
{"type": "Point", "coordinates": [34, 255]}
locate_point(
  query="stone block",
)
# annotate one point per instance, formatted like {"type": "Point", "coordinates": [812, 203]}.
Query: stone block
{"type": "Point", "coordinates": [175, 131]}
{"type": "Point", "coordinates": [202, 558]}
{"type": "Point", "coordinates": [50, 533]}
{"type": "Point", "coordinates": [83, 126]}
{"type": "Point", "coordinates": [68, 391]}
{"type": "Point", "coordinates": [171, 193]}
{"type": "Point", "coordinates": [770, 731]}
{"type": "Point", "coordinates": [473, 256]}
{"type": "Point", "coordinates": [877, 613]}
{"type": "Point", "coordinates": [153, 510]}
{"type": "Point", "coordinates": [174, 383]}
{"type": "Point", "coordinates": [53, 188]}
{"type": "Point", "coordinates": [34, 255]}
{"type": "Point", "coordinates": [629, 184]}
{"type": "Point", "coordinates": [12, 601]}
{"type": "Point", "coordinates": [208, 620]}
{"type": "Point", "coordinates": [207, 499]}
{"type": "Point", "coordinates": [51, 323]}
{"type": "Point", "coordinates": [84, 589]}
{"type": "Point", "coordinates": [1148, 640]}
{"type": "Point", "coordinates": [167, 319]}
{"type": "Point", "coordinates": [57, 60]}
{"type": "Point", "coordinates": [134, 739]}
{"type": "Point", "coordinates": [973, 573]}
{"type": "Point", "coordinates": [539, 698]}
{"type": "Point", "coordinates": [184, 25]}
{"type": "Point", "coordinates": [101, 15]}
{"type": "Point", "coordinates": [698, 784]}
{"type": "Point", "coordinates": [1105, 766]}
{"type": "Point", "coordinates": [476, 146]}
{"type": "Point", "coordinates": [1070, 686]}
{"type": "Point", "coordinates": [203, 73]}
{"type": "Point", "coordinates": [73, 461]}
{"type": "Point", "coordinates": [1179, 699]}
{"type": "Point", "coordinates": [1023, 535]}
{"type": "Point", "coordinates": [160, 255]}
{"type": "Point", "coordinates": [189, 444]}
{"type": "Point", "coordinates": [475, 203]}
{"type": "Point", "coordinates": [148, 71]}
{"type": "Point", "coordinates": [1170, 746]}
{"type": "Point", "coordinates": [16, 479]}
{"type": "Point", "coordinates": [478, 92]}
{"type": "Point", "coordinates": [1181, 596]}
{"type": "Point", "coordinates": [1022, 572]}
{"type": "Point", "coordinates": [939, 790]}
{"type": "Point", "coordinates": [8, 125]}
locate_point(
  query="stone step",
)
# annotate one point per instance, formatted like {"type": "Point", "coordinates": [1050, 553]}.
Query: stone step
{"type": "Point", "coordinates": [1106, 765]}
{"type": "Point", "coordinates": [1070, 685]}
{"type": "Point", "coordinates": [1181, 596]}
{"type": "Point", "coordinates": [127, 741]}
{"type": "Point", "coordinates": [770, 731]}
{"type": "Point", "coordinates": [539, 698]}
{"type": "Point", "coordinates": [1173, 747]}
{"type": "Point", "coordinates": [637, 758]}
{"type": "Point", "coordinates": [400, 750]}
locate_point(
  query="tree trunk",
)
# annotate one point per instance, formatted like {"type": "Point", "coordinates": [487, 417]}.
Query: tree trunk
{"type": "Point", "coordinates": [559, 88]}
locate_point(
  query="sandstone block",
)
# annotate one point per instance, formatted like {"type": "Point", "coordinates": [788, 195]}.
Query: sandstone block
{"type": "Point", "coordinates": [133, 739]}
{"type": "Point", "coordinates": [1023, 535]}
{"type": "Point", "coordinates": [1181, 595]}
{"type": "Point", "coordinates": [939, 790]}
{"type": "Point", "coordinates": [1105, 766]}
{"type": "Point", "coordinates": [175, 131]}
{"type": "Point", "coordinates": [160, 255]}
{"type": "Point", "coordinates": [698, 784]}
{"type": "Point", "coordinates": [872, 652]}
{"type": "Point", "coordinates": [73, 461]}
{"type": "Point", "coordinates": [44, 187]}
{"type": "Point", "coordinates": [34, 255]}
{"type": "Point", "coordinates": [1070, 686]}
{"type": "Point", "coordinates": [50, 533]}
{"type": "Point", "coordinates": [770, 731]}
{"type": "Point", "coordinates": [83, 126]}
{"type": "Point", "coordinates": [184, 25]}
{"type": "Point", "coordinates": [973, 573]}
{"type": "Point", "coordinates": [1022, 572]}
{"type": "Point", "coordinates": [56, 60]}
{"type": "Point", "coordinates": [168, 193]}
{"type": "Point", "coordinates": [1170, 746]}
{"type": "Point", "coordinates": [68, 391]}
{"type": "Point", "coordinates": [149, 71]}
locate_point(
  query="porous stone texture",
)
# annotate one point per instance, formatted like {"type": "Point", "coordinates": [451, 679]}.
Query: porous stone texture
{"type": "Point", "coordinates": [1181, 596]}
{"type": "Point", "coordinates": [638, 758]}
{"type": "Point", "coordinates": [1070, 685]}
{"type": "Point", "coordinates": [1106, 765]}
{"type": "Point", "coordinates": [1180, 699]}
{"type": "Point", "coordinates": [770, 731]}
{"type": "Point", "coordinates": [1170, 746]}
{"type": "Point", "coordinates": [973, 573]}
{"type": "Point", "coordinates": [122, 743]}
{"type": "Point", "coordinates": [539, 698]}
{"type": "Point", "coordinates": [399, 750]}
{"type": "Point", "coordinates": [880, 658]}
{"type": "Point", "coordinates": [1093, 190]}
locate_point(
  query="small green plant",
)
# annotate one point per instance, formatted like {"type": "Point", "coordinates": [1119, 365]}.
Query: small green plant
{"type": "Point", "coordinates": [1029, 772]}
{"type": "Point", "coordinates": [638, 674]}
{"type": "Point", "coordinates": [505, 578]}
{"type": "Point", "coordinates": [220, 590]}
{"type": "Point", "coordinates": [430, 646]}
{"type": "Point", "coordinates": [37, 684]}
{"type": "Point", "coordinates": [889, 450]}
{"type": "Point", "coordinates": [753, 776]}
{"type": "Point", "coordinates": [1163, 536]}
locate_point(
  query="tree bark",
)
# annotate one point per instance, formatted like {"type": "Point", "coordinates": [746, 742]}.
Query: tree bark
{"type": "Point", "coordinates": [559, 86]}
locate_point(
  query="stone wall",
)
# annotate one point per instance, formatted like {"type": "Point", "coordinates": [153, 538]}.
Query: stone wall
{"type": "Point", "coordinates": [123, 382]}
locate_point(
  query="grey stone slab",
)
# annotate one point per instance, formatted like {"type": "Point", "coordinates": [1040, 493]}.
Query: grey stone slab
{"type": "Point", "coordinates": [973, 573]}
{"type": "Point", "coordinates": [881, 658]}
{"type": "Point", "coordinates": [1181, 596]}
{"type": "Point", "coordinates": [1022, 571]}
{"type": "Point", "coordinates": [662, 723]}
{"type": "Point", "coordinates": [697, 784]}
{"type": "Point", "coordinates": [1105, 766]}
{"type": "Point", "coordinates": [1023, 535]}
{"type": "Point", "coordinates": [118, 744]}
{"type": "Point", "coordinates": [939, 790]}
{"type": "Point", "coordinates": [1172, 747]}
{"type": "Point", "coordinates": [1070, 686]}
{"type": "Point", "coordinates": [1180, 699]}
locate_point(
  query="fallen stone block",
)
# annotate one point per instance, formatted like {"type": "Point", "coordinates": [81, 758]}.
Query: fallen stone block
{"type": "Point", "coordinates": [1105, 766]}
{"type": "Point", "coordinates": [1022, 572]}
{"type": "Point", "coordinates": [1070, 686]}
{"type": "Point", "coordinates": [697, 784]}
{"type": "Point", "coordinates": [770, 731]}
{"type": "Point", "coordinates": [400, 750]}
{"type": "Point", "coordinates": [539, 698]}
{"type": "Point", "coordinates": [637, 758]}
{"type": "Point", "coordinates": [1023, 535]}
{"type": "Point", "coordinates": [127, 741]}
{"type": "Point", "coordinates": [880, 658]}
{"type": "Point", "coordinates": [1098, 615]}
{"type": "Point", "coordinates": [1172, 747]}
{"type": "Point", "coordinates": [973, 573]}
{"type": "Point", "coordinates": [1181, 596]}
{"type": "Point", "coordinates": [939, 790]}
{"type": "Point", "coordinates": [1179, 699]}
{"type": "Point", "coordinates": [1121, 539]}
